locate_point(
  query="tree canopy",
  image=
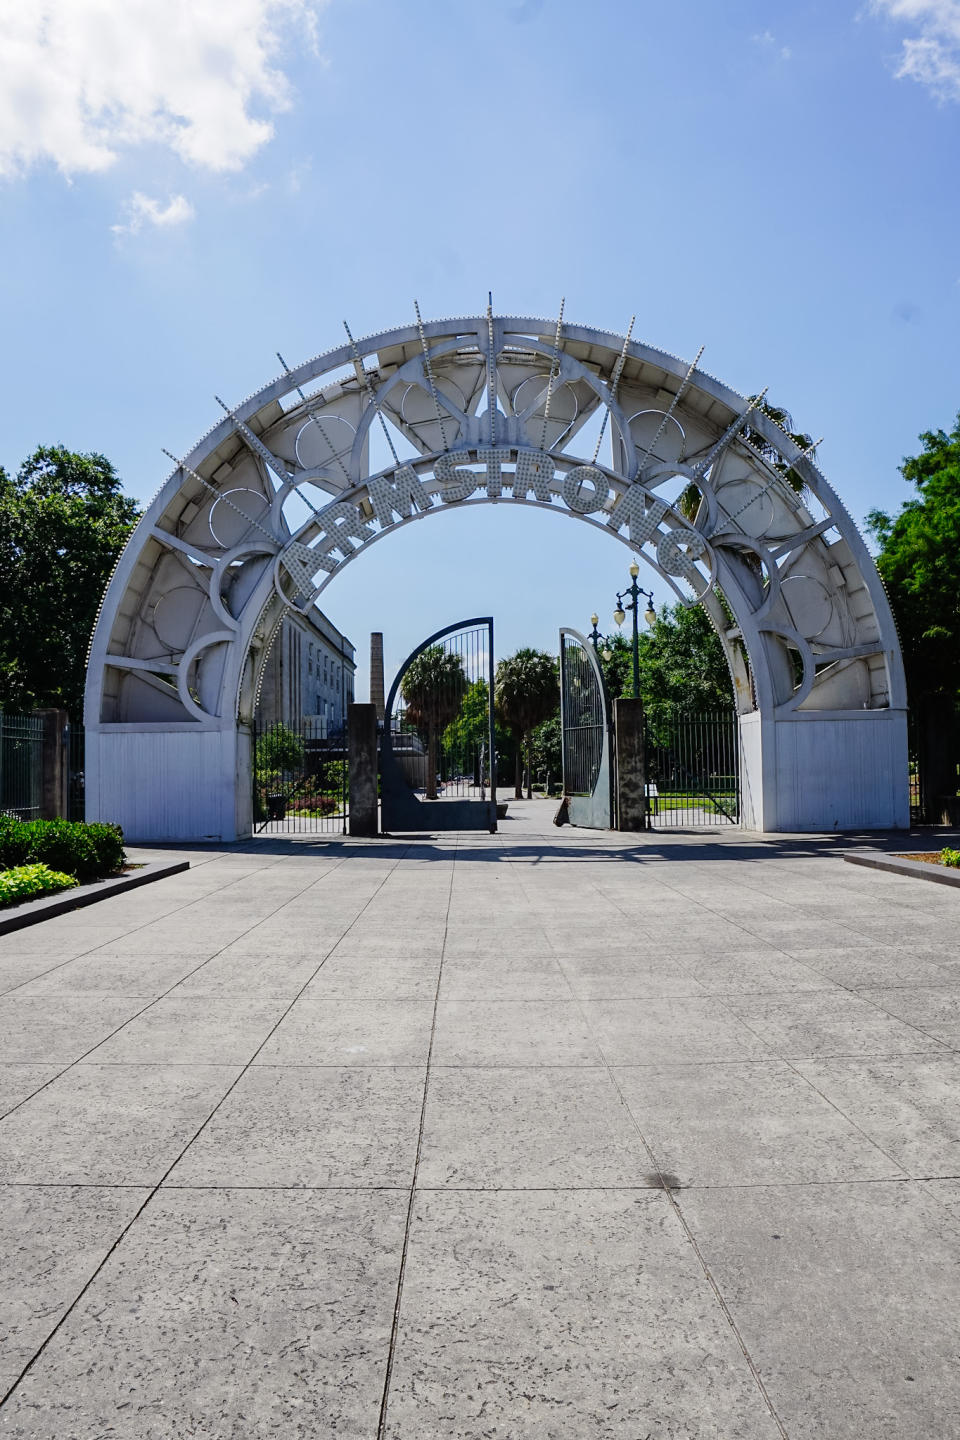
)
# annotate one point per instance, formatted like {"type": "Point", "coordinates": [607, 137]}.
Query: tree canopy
{"type": "Point", "coordinates": [63, 522]}
{"type": "Point", "coordinates": [526, 692]}
{"type": "Point", "coordinates": [434, 686]}
{"type": "Point", "coordinates": [919, 560]}
{"type": "Point", "coordinates": [682, 665]}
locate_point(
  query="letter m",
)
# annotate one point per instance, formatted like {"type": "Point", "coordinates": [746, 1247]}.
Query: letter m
{"type": "Point", "coordinates": [399, 499]}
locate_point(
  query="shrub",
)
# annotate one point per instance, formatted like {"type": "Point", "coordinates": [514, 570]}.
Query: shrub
{"type": "Point", "coordinates": [24, 882]}
{"type": "Point", "coordinates": [950, 857]}
{"type": "Point", "coordinates": [86, 851]}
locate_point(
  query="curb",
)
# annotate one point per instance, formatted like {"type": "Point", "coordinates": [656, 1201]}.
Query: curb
{"type": "Point", "coordinates": [36, 910]}
{"type": "Point", "coordinates": [920, 869]}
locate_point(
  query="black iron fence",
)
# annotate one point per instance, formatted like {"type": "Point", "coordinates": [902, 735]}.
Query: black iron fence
{"type": "Point", "coordinates": [693, 769]}
{"type": "Point", "coordinates": [300, 781]}
{"type": "Point", "coordinates": [21, 765]}
{"type": "Point", "coordinates": [76, 779]}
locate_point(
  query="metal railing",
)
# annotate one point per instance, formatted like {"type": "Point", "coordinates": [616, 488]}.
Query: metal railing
{"type": "Point", "coordinates": [300, 781]}
{"type": "Point", "coordinates": [693, 770]}
{"type": "Point", "coordinates": [21, 765]}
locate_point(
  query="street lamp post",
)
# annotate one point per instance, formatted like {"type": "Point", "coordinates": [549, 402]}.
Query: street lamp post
{"type": "Point", "coordinates": [633, 604]}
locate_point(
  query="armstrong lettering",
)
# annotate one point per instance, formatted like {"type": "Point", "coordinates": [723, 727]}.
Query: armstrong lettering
{"type": "Point", "coordinates": [343, 527]}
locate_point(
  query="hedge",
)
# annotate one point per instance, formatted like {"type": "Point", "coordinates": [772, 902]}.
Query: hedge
{"type": "Point", "coordinates": [86, 851]}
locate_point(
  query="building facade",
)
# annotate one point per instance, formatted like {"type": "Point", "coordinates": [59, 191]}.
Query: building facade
{"type": "Point", "coordinates": [308, 680]}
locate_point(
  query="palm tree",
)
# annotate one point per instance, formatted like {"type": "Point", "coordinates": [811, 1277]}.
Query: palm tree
{"type": "Point", "coordinates": [434, 686]}
{"type": "Point", "coordinates": [527, 693]}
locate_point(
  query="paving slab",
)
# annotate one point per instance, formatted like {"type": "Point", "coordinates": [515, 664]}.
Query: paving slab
{"type": "Point", "coordinates": [564, 1314]}
{"type": "Point", "coordinates": [541, 1134]}
{"type": "Point", "coordinates": [845, 1296]}
{"type": "Point", "coordinates": [109, 1124]}
{"type": "Point", "coordinates": [317, 1126]}
{"type": "Point", "coordinates": [230, 1315]}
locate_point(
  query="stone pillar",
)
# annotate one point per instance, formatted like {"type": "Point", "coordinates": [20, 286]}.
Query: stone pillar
{"type": "Point", "coordinates": [53, 795]}
{"type": "Point", "coordinates": [362, 752]}
{"type": "Point", "coordinates": [377, 699]}
{"type": "Point", "coordinates": [631, 789]}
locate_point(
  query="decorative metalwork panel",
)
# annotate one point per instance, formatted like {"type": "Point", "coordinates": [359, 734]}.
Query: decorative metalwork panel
{"type": "Point", "coordinates": [437, 752]}
{"type": "Point", "coordinates": [585, 731]}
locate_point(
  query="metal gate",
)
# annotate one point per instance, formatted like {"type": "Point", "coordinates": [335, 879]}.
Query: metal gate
{"type": "Point", "coordinates": [437, 753]}
{"type": "Point", "coordinates": [585, 731]}
{"type": "Point", "coordinates": [693, 769]}
{"type": "Point", "coordinates": [300, 780]}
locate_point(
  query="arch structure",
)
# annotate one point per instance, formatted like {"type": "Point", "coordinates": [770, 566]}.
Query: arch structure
{"type": "Point", "coordinates": [335, 455]}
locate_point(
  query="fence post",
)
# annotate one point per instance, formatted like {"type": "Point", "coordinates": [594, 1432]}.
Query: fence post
{"type": "Point", "coordinates": [54, 764]}
{"type": "Point", "coordinates": [631, 789]}
{"type": "Point", "coordinates": [362, 753]}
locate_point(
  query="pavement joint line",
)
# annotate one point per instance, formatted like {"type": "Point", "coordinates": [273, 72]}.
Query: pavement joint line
{"type": "Point", "coordinates": [774, 1183]}
{"type": "Point", "coordinates": [159, 1184]}
{"type": "Point", "coordinates": [723, 998]}
{"type": "Point", "coordinates": [691, 1238]}
{"type": "Point", "coordinates": [136, 1015]}
{"type": "Point", "coordinates": [398, 1301]}
{"type": "Point", "coordinates": [174, 910]}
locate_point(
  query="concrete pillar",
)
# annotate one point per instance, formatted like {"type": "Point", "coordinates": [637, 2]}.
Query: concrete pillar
{"type": "Point", "coordinates": [376, 674]}
{"type": "Point", "coordinates": [362, 753]}
{"type": "Point", "coordinates": [53, 795]}
{"type": "Point", "coordinates": [631, 770]}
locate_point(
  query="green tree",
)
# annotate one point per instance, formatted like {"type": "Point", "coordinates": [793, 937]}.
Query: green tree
{"type": "Point", "coordinates": [471, 727]}
{"type": "Point", "coordinates": [919, 560]}
{"type": "Point", "coordinates": [63, 521]}
{"type": "Point", "coordinates": [279, 748]}
{"type": "Point", "coordinates": [526, 692]}
{"type": "Point", "coordinates": [434, 687]}
{"type": "Point", "coordinates": [682, 666]}
{"type": "Point", "coordinates": [547, 750]}
{"type": "Point", "coordinates": [469, 732]}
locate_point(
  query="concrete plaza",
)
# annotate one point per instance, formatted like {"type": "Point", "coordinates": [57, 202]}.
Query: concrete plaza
{"type": "Point", "coordinates": [545, 1134]}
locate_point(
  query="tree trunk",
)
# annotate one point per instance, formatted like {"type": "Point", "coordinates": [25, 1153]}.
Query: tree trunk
{"type": "Point", "coordinates": [518, 772]}
{"type": "Point", "coordinates": [529, 750]}
{"type": "Point", "coordinates": [431, 786]}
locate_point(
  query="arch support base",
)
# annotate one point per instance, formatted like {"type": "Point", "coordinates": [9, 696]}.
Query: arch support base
{"type": "Point", "coordinates": [845, 770]}
{"type": "Point", "coordinates": [158, 783]}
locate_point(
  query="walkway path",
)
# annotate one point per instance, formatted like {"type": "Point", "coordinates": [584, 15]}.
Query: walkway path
{"type": "Point", "coordinates": [540, 1136]}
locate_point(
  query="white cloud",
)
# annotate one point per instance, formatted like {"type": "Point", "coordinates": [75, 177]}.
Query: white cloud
{"type": "Point", "coordinates": [141, 210]}
{"type": "Point", "coordinates": [932, 57]}
{"type": "Point", "coordinates": [84, 80]}
{"type": "Point", "coordinates": [768, 41]}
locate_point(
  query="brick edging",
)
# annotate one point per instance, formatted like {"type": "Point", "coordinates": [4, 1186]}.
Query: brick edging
{"type": "Point", "coordinates": [31, 912]}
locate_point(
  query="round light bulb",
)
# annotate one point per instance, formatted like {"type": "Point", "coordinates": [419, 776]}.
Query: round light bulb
{"type": "Point", "coordinates": [594, 621]}
{"type": "Point", "coordinates": [619, 616]}
{"type": "Point", "coordinates": [634, 569]}
{"type": "Point", "coordinates": [606, 653]}
{"type": "Point", "coordinates": [650, 616]}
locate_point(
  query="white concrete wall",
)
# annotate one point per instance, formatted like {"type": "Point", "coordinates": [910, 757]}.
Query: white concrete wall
{"type": "Point", "coordinates": [163, 784]}
{"type": "Point", "coordinates": [751, 772]}
{"type": "Point", "coordinates": [846, 771]}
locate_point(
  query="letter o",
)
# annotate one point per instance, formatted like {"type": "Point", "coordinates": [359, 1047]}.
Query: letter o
{"type": "Point", "coordinates": [584, 503]}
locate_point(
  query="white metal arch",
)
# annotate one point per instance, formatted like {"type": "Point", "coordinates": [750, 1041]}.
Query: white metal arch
{"type": "Point", "coordinates": [331, 457]}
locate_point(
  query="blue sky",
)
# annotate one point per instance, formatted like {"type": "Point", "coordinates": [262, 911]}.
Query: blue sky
{"type": "Point", "coordinates": [179, 199]}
